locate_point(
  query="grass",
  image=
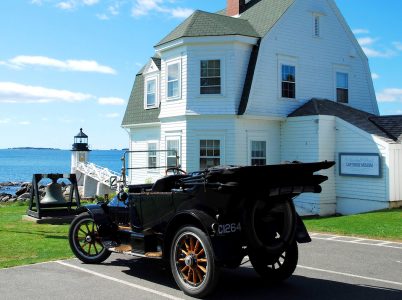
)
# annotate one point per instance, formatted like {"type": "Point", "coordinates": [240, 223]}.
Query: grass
{"type": "Point", "coordinates": [382, 225]}
{"type": "Point", "coordinates": [24, 242]}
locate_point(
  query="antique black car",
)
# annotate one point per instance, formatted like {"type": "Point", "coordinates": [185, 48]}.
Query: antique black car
{"type": "Point", "coordinates": [203, 221]}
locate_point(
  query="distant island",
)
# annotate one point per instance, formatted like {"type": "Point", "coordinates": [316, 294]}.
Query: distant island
{"type": "Point", "coordinates": [31, 148]}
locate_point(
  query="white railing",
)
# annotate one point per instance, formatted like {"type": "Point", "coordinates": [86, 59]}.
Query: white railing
{"type": "Point", "coordinates": [98, 173]}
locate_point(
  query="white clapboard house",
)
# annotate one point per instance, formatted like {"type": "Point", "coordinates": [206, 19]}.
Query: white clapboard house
{"type": "Point", "coordinates": [263, 82]}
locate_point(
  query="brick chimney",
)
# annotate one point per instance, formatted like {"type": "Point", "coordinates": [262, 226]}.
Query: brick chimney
{"type": "Point", "coordinates": [235, 7]}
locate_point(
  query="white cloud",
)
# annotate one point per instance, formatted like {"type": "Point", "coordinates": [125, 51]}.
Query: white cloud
{"type": "Point", "coordinates": [37, 2]}
{"type": "Point", "coordinates": [24, 123]}
{"type": "Point", "coordinates": [5, 121]}
{"type": "Point", "coordinates": [390, 95]}
{"type": "Point", "coordinates": [111, 101]}
{"type": "Point", "coordinates": [102, 17]}
{"type": "Point", "coordinates": [398, 45]}
{"type": "Point", "coordinates": [11, 92]}
{"type": "Point", "coordinates": [370, 52]}
{"type": "Point", "coordinates": [360, 31]}
{"type": "Point", "coordinates": [71, 4]}
{"type": "Point", "coordinates": [112, 115]}
{"type": "Point", "coordinates": [145, 7]}
{"type": "Point", "coordinates": [67, 65]}
{"type": "Point", "coordinates": [366, 41]}
{"type": "Point", "coordinates": [375, 76]}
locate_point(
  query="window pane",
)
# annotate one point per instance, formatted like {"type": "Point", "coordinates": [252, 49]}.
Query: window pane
{"type": "Point", "coordinates": [173, 89]}
{"type": "Point", "coordinates": [210, 80]}
{"type": "Point", "coordinates": [209, 153]}
{"type": "Point", "coordinates": [342, 95]}
{"type": "Point", "coordinates": [173, 72]}
{"type": "Point", "coordinates": [171, 160]}
{"type": "Point", "coordinates": [152, 155]}
{"type": "Point", "coordinates": [342, 80]}
{"type": "Point", "coordinates": [258, 153]}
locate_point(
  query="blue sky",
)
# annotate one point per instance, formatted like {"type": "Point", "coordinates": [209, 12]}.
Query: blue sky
{"type": "Point", "coordinates": [66, 64]}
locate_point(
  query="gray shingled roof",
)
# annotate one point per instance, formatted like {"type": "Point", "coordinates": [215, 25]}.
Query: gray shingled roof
{"type": "Point", "coordinates": [202, 23]}
{"type": "Point", "coordinates": [263, 14]}
{"type": "Point", "coordinates": [392, 125]}
{"type": "Point", "coordinates": [135, 112]}
{"type": "Point", "coordinates": [358, 118]}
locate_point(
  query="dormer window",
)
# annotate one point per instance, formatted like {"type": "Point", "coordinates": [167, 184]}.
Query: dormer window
{"type": "Point", "coordinates": [151, 93]}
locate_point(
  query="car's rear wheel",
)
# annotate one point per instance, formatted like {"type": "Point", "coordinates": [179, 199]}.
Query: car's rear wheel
{"type": "Point", "coordinates": [275, 268]}
{"type": "Point", "coordinates": [192, 262]}
{"type": "Point", "coordinates": [270, 225]}
{"type": "Point", "coordinates": [85, 241]}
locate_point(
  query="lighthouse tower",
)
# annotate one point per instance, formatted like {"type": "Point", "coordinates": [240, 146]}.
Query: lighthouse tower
{"type": "Point", "coordinates": [80, 151]}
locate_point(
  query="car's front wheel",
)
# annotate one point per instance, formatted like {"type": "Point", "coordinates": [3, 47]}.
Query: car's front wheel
{"type": "Point", "coordinates": [192, 262]}
{"type": "Point", "coordinates": [85, 241]}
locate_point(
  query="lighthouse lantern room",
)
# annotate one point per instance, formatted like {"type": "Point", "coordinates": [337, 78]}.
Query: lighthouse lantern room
{"type": "Point", "coordinates": [80, 150]}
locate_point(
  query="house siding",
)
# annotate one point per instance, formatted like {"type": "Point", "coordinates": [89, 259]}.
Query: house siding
{"type": "Point", "coordinates": [316, 61]}
{"type": "Point", "coordinates": [357, 194]}
{"type": "Point", "coordinates": [234, 62]}
{"type": "Point", "coordinates": [139, 139]}
{"type": "Point", "coordinates": [300, 141]}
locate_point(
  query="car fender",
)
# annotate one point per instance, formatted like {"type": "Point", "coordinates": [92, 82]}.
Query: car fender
{"type": "Point", "coordinates": [100, 216]}
{"type": "Point", "coordinates": [302, 235]}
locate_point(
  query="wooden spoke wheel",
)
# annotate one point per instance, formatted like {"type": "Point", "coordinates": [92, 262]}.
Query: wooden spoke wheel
{"type": "Point", "coordinates": [192, 262]}
{"type": "Point", "coordinates": [276, 268]}
{"type": "Point", "coordinates": [85, 241]}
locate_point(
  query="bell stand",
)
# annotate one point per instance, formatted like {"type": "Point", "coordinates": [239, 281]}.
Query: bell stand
{"type": "Point", "coordinates": [39, 210]}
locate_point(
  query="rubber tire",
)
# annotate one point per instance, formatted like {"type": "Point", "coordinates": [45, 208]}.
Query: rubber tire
{"type": "Point", "coordinates": [254, 241]}
{"type": "Point", "coordinates": [210, 282]}
{"type": "Point", "coordinates": [102, 256]}
{"type": "Point", "coordinates": [265, 270]}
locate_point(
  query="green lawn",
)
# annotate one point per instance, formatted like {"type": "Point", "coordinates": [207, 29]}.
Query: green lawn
{"type": "Point", "coordinates": [23, 242]}
{"type": "Point", "coordinates": [382, 225]}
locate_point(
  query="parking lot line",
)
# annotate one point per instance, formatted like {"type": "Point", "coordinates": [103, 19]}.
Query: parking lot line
{"type": "Point", "coordinates": [360, 241]}
{"type": "Point", "coordinates": [133, 285]}
{"type": "Point", "coordinates": [350, 275]}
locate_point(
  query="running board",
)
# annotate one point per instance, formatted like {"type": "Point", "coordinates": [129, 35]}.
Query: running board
{"type": "Point", "coordinates": [126, 249]}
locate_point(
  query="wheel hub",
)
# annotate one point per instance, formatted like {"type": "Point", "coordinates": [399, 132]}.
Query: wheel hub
{"type": "Point", "coordinates": [88, 239]}
{"type": "Point", "coordinates": [190, 260]}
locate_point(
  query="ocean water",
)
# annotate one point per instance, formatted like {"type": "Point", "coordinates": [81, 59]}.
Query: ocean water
{"type": "Point", "coordinates": [18, 165]}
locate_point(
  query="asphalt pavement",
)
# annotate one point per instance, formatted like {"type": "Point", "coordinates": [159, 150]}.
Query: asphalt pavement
{"type": "Point", "coordinates": [331, 267]}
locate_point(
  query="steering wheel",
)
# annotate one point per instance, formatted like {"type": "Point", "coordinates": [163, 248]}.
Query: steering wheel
{"type": "Point", "coordinates": [175, 171]}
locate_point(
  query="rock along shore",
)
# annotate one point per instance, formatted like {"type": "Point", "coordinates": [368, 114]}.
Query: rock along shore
{"type": "Point", "coordinates": [23, 191]}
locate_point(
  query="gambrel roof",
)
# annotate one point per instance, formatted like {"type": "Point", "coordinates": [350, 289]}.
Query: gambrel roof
{"type": "Point", "coordinates": [135, 112]}
{"type": "Point", "coordinates": [388, 128]}
{"type": "Point", "coordinates": [202, 23]}
{"type": "Point", "coordinates": [256, 20]}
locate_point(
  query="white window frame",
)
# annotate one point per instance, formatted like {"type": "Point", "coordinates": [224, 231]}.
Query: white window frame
{"type": "Point", "coordinates": [179, 79]}
{"type": "Point", "coordinates": [146, 80]}
{"type": "Point", "coordinates": [347, 88]}
{"type": "Point", "coordinates": [173, 138]}
{"type": "Point", "coordinates": [341, 69]}
{"type": "Point", "coordinates": [212, 56]}
{"type": "Point", "coordinates": [288, 61]}
{"type": "Point", "coordinates": [209, 156]}
{"type": "Point", "coordinates": [154, 169]}
{"type": "Point", "coordinates": [220, 76]}
{"type": "Point", "coordinates": [251, 150]}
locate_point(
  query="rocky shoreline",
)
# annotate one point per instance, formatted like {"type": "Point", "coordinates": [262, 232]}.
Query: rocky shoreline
{"type": "Point", "coordinates": [23, 191]}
